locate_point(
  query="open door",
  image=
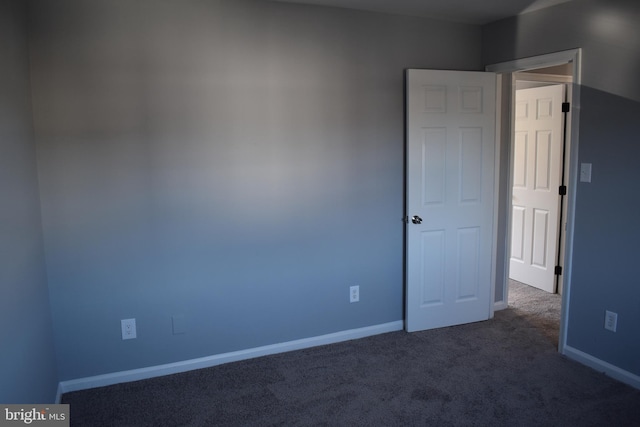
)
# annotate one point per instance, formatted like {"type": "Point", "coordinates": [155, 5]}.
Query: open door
{"type": "Point", "coordinates": [537, 167]}
{"type": "Point", "coordinates": [449, 197]}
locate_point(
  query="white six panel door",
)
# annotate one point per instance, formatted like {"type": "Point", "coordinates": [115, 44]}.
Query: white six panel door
{"type": "Point", "coordinates": [537, 162]}
{"type": "Point", "coordinates": [450, 186]}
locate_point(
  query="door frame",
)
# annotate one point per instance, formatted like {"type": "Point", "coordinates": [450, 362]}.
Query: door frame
{"type": "Point", "coordinates": [505, 129]}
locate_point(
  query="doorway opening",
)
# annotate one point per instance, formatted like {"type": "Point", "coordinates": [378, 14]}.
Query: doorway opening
{"type": "Point", "coordinates": [541, 125]}
{"type": "Point", "coordinates": [526, 159]}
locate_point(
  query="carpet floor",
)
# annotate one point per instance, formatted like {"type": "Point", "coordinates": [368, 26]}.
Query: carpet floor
{"type": "Point", "coordinates": [502, 372]}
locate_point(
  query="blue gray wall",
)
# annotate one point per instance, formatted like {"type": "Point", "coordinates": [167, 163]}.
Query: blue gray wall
{"type": "Point", "coordinates": [605, 274]}
{"type": "Point", "coordinates": [238, 163]}
{"type": "Point", "coordinates": [27, 359]}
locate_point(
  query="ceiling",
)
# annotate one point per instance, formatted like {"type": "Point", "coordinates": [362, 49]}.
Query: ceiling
{"type": "Point", "coordinates": [466, 11]}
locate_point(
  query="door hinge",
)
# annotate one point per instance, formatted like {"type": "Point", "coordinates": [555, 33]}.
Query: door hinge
{"type": "Point", "coordinates": [566, 107]}
{"type": "Point", "coordinates": [562, 190]}
{"type": "Point", "coordinates": [558, 270]}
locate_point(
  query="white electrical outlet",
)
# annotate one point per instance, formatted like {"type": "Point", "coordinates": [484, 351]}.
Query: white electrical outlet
{"type": "Point", "coordinates": [354, 294]}
{"type": "Point", "coordinates": [610, 320]}
{"type": "Point", "coordinates": [128, 329]}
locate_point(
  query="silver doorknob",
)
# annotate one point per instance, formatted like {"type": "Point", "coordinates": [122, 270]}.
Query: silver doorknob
{"type": "Point", "coordinates": [416, 219]}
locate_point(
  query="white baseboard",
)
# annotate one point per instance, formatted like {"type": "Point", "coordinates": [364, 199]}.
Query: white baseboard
{"type": "Point", "coordinates": [218, 359]}
{"type": "Point", "coordinates": [602, 366]}
{"type": "Point", "coordinates": [58, 394]}
{"type": "Point", "coordinates": [500, 305]}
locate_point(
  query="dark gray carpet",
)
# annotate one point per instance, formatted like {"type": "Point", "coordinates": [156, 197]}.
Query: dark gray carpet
{"type": "Point", "coordinates": [540, 308]}
{"type": "Point", "coordinates": [503, 372]}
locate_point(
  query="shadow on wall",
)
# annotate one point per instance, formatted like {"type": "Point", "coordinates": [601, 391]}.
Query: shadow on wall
{"type": "Point", "coordinates": [604, 273]}
{"type": "Point", "coordinates": [606, 30]}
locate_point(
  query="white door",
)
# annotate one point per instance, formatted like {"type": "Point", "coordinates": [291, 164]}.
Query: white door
{"type": "Point", "coordinates": [537, 162]}
{"type": "Point", "coordinates": [450, 197]}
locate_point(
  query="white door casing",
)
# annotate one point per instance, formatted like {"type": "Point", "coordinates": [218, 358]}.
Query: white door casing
{"type": "Point", "coordinates": [537, 163]}
{"type": "Point", "coordinates": [450, 186]}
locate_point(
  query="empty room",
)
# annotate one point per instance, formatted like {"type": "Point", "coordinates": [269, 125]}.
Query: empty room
{"type": "Point", "coordinates": [261, 212]}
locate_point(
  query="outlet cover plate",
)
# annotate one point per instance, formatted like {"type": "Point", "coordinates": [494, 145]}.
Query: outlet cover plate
{"type": "Point", "coordinates": [354, 294]}
{"type": "Point", "coordinates": [128, 329]}
{"type": "Point", "coordinates": [610, 320]}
